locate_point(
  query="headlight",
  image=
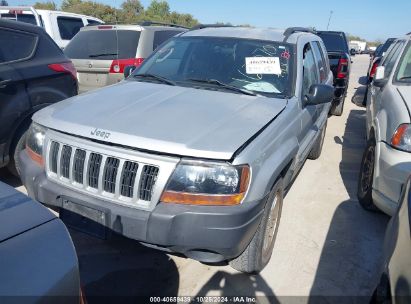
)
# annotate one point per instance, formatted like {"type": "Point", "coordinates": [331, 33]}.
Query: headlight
{"type": "Point", "coordinates": [202, 183]}
{"type": "Point", "coordinates": [34, 142]}
{"type": "Point", "coordinates": [402, 138]}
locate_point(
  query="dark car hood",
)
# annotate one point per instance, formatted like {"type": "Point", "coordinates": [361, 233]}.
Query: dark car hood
{"type": "Point", "coordinates": [168, 119]}
{"type": "Point", "coordinates": [19, 213]}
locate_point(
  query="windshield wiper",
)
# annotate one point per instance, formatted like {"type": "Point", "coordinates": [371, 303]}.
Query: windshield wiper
{"type": "Point", "coordinates": [156, 77]}
{"type": "Point", "coordinates": [405, 77]}
{"type": "Point", "coordinates": [223, 85]}
{"type": "Point", "coordinates": [103, 54]}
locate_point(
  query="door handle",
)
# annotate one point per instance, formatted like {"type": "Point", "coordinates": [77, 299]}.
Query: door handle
{"type": "Point", "coordinates": [4, 83]}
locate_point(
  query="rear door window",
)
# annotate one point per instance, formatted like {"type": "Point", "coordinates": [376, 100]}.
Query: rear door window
{"type": "Point", "coordinates": [16, 45]}
{"type": "Point", "coordinates": [102, 44]}
{"type": "Point", "coordinates": [69, 26]}
{"type": "Point", "coordinates": [161, 36]}
{"type": "Point", "coordinates": [319, 57]}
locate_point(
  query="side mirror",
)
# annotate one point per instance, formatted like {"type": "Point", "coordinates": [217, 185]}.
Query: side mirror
{"type": "Point", "coordinates": [379, 78]}
{"type": "Point", "coordinates": [128, 70]}
{"type": "Point", "coordinates": [319, 94]}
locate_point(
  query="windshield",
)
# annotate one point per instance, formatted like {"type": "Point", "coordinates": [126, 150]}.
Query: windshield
{"type": "Point", "coordinates": [334, 41]}
{"type": "Point", "coordinates": [404, 67]}
{"type": "Point", "coordinates": [216, 63]}
{"type": "Point", "coordinates": [102, 44]}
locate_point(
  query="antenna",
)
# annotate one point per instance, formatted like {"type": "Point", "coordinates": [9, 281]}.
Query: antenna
{"type": "Point", "coordinates": [329, 19]}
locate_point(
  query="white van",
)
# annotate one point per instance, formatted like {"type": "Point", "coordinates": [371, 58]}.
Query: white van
{"type": "Point", "coordinates": [61, 26]}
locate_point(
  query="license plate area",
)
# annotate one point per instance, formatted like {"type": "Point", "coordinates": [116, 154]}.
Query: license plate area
{"type": "Point", "coordinates": [84, 219]}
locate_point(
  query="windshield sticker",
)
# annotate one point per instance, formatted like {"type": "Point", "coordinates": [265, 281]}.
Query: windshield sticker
{"type": "Point", "coordinates": [261, 86]}
{"type": "Point", "coordinates": [286, 55]}
{"type": "Point", "coordinates": [263, 65]}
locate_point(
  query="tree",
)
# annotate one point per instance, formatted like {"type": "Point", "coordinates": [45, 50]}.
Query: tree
{"type": "Point", "coordinates": [131, 11]}
{"type": "Point", "coordinates": [49, 5]}
{"type": "Point", "coordinates": [3, 3]}
{"type": "Point", "coordinates": [158, 10]}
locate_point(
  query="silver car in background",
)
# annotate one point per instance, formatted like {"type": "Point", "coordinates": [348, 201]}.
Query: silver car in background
{"type": "Point", "coordinates": [386, 161]}
{"type": "Point", "coordinates": [101, 52]}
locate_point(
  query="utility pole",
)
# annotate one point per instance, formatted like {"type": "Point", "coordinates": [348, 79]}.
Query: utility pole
{"type": "Point", "coordinates": [329, 19]}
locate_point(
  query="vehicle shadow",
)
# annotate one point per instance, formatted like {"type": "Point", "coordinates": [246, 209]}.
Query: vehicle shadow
{"type": "Point", "coordinates": [224, 284]}
{"type": "Point", "coordinates": [348, 269]}
{"type": "Point", "coordinates": [120, 270]}
{"type": "Point", "coordinates": [359, 96]}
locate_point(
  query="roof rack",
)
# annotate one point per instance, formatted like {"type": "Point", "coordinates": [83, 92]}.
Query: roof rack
{"type": "Point", "coordinates": [148, 23]}
{"type": "Point", "coordinates": [17, 9]}
{"type": "Point", "coordinates": [291, 30]}
{"type": "Point", "coordinates": [202, 26]}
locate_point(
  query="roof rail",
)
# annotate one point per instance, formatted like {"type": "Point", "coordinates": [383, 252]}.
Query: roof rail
{"type": "Point", "coordinates": [291, 30]}
{"type": "Point", "coordinates": [148, 23]}
{"type": "Point", "coordinates": [201, 26]}
{"type": "Point", "coordinates": [16, 9]}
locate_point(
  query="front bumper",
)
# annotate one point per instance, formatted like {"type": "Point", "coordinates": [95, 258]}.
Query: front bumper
{"type": "Point", "coordinates": [392, 168]}
{"type": "Point", "coordinates": [205, 233]}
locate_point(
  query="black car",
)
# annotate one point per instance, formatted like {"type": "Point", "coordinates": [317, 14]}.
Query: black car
{"type": "Point", "coordinates": [336, 44]}
{"type": "Point", "coordinates": [34, 73]}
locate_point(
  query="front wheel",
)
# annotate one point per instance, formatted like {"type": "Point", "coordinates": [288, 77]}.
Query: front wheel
{"type": "Point", "coordinates": [365, 179]}
{"type": "Point", "coordinates": [258, 253]}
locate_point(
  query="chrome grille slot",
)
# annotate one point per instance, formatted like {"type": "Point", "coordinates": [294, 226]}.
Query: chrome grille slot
{"type": "Point", "coordinates": [54, 152]}
{"type": "Point", "coordinates": [128, 178]}
{"type": "Point", "coordinates": [147, 181]}
{"type": "Point", "coordinates": [65, 161]}
{"type": "Point", "coordinates": [94, 169]}
{"type": "Point", "coordinates": [78, 165]}
{"type": "Point", "coordinates": [110, 174]}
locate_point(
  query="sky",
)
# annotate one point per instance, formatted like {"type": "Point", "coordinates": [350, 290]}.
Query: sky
{"type": "Point", "coordinates": [369, 19]}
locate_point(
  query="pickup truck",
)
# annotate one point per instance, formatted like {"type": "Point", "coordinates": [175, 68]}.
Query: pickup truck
{"type": "Point", "coordinates": [192, 152]}
{"type": "Point", "coordinates": [336, 44]}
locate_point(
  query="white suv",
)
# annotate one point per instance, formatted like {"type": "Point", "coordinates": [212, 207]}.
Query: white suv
{"type": "Point", "coordinates": [61, 26]}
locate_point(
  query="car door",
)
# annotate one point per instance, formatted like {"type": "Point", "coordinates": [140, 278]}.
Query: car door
{"type": "Point", "coordinates": [15, 47]}
{"type": "Point", "coordinates": [378, 95]}
{"type": "Point", "coordinates": [309, 113]}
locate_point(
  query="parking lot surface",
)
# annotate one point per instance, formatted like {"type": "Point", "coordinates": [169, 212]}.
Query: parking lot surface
{"type": "Point", "coordinates": [327, 244]}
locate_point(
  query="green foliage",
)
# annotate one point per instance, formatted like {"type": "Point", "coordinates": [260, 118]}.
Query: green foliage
{"type": "Point", "coordinates": [48, 5]}
{"type": "Point", "coordinates": [3, 3]}
{"type": "Point", "coordinates": [130, 11]}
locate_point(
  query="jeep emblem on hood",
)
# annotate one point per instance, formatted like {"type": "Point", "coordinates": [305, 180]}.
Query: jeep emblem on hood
{"type": "Point", "coordinates": [99, 133]}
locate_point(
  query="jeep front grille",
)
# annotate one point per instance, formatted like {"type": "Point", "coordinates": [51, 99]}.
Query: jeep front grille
{"type": "Point", "coordinates": [109, 176]}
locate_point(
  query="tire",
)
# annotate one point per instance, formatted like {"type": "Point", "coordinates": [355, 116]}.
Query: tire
{"type": "Point", "coordinates": [318, 145]}
{"type": "Point", "coordinates": [337, 109]}
{"type": "Point", "coordinates": [365, 178]}
{"type": "Point", "coordinates": [17, 146]}
{"type": "Point", "coordinates": [258, 253]}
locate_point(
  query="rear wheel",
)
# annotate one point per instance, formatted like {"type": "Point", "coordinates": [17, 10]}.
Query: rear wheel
{"type": "Point", "coordinates": [318, 145]}
{"type": "Point", "coordinates": [337, 108]}
{"type": "Point", "coordinates": [258, 253]}
{"type": "Point", "coordinates": [365, 179]}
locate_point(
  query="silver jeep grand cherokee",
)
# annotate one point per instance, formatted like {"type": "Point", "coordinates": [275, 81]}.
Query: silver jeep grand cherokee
{"type": "Point", "coordinates": [193, 151]}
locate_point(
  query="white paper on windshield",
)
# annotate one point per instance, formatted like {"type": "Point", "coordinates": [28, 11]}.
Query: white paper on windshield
{"type": "Point", "coordinates": [263, 65]}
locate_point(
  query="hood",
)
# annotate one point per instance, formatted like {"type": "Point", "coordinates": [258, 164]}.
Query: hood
{"type": "Point", "coordinates": [162, 118]}
{"type": "Point", "coordinates": [19, 213]}
{"type": "Point", "coordinates": [405, 91]}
